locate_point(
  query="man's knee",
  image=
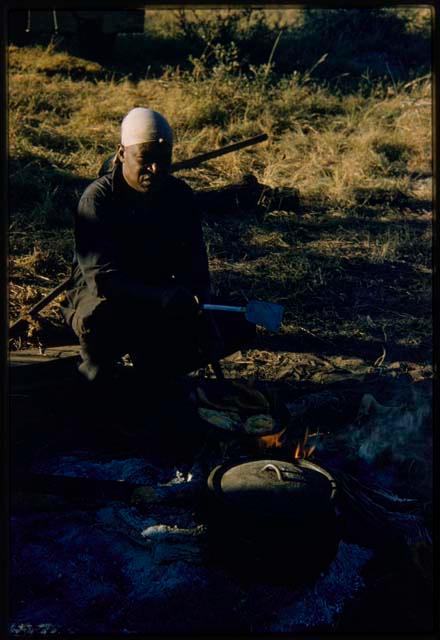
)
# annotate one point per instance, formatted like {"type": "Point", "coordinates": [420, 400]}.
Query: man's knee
{"type": "Point", "coordinates": [93, 315]}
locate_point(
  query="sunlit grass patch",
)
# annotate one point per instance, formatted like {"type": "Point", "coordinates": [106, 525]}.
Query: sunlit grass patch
{"type": "Point", "coordinates": [48, 60]}
{"type": "Point", "coordinates": [361, 161]}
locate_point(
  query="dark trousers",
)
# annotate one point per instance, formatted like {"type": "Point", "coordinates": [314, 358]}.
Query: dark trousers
{"type": "Point", "coordinates": [158, 345]}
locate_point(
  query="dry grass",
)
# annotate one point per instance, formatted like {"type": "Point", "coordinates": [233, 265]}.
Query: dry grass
{"type": "Point", "coordinates": [360, 160]}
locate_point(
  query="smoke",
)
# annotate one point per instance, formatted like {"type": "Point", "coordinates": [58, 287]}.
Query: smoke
{"type": "Point", "coordinates": [397, 432]}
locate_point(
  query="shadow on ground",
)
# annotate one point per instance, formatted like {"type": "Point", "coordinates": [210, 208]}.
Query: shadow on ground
{"type": "Point", "coordinates": [340, 296]}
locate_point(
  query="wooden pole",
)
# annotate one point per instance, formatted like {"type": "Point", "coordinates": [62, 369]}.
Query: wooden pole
{"type": "Point", "coordinates": [194, 162]}
{"type": "Point", "coordinates": [21, 321]}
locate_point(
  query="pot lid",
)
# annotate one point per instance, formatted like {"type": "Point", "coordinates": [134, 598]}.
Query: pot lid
{"type": "Point", "coordinates": [269, 487]}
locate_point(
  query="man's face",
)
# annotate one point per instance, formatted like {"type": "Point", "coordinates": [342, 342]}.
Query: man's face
{"type": "Point", "coordinates": [145, 166]}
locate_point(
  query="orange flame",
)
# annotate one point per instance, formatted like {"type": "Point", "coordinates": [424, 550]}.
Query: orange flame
{"type": "Point", "coordinates": [301, 450]}
{"type": "Point", "coordinates": [273, 440]}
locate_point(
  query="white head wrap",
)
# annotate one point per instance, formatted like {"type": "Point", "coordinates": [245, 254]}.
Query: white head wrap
{"type": "Point", "coordinates": [145, 125]}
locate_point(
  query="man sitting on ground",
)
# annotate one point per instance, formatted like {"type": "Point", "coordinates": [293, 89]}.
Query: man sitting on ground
{"type": "Point", "coordinates": [140, 266]}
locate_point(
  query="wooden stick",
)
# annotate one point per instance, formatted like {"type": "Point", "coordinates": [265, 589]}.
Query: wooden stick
{"type": "Point", "coordinates": [194, 162]}
{"type": "Point", "coordinates": [191, 163]}
{"type": "Point", "coordinates": [21, 321]}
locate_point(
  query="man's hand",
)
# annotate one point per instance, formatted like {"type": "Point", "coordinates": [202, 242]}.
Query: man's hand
{"type": "Point", "coordinates": [179, 302]}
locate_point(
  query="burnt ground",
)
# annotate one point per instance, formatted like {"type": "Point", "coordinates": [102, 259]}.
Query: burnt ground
{"type": "Point", "coordinates": [96, 563]}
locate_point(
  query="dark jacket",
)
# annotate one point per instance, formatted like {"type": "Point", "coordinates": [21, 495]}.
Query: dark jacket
{"type": "Point", "coordinates": [131, 247]}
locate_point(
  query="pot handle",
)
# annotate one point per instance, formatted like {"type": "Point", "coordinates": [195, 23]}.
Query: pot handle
{"type": "Point", "coordinates": [273, 467]}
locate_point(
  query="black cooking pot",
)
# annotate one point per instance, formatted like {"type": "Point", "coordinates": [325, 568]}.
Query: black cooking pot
{"type": "Point", "coordinates": [273, 518]}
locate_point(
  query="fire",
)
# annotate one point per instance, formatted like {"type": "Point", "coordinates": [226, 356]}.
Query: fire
{"type": "Point", "coordinates": [303, 451]}
{"type": "Point", "coordinates": [273, 441]}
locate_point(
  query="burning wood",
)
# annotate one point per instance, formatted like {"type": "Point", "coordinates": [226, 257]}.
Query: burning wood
{"type": "Point", "coordinates": [273, 441]}
{"type": "Point", "coordinates": [301, 450]}
{"type": "Point", "coordinates": [277, 441]}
